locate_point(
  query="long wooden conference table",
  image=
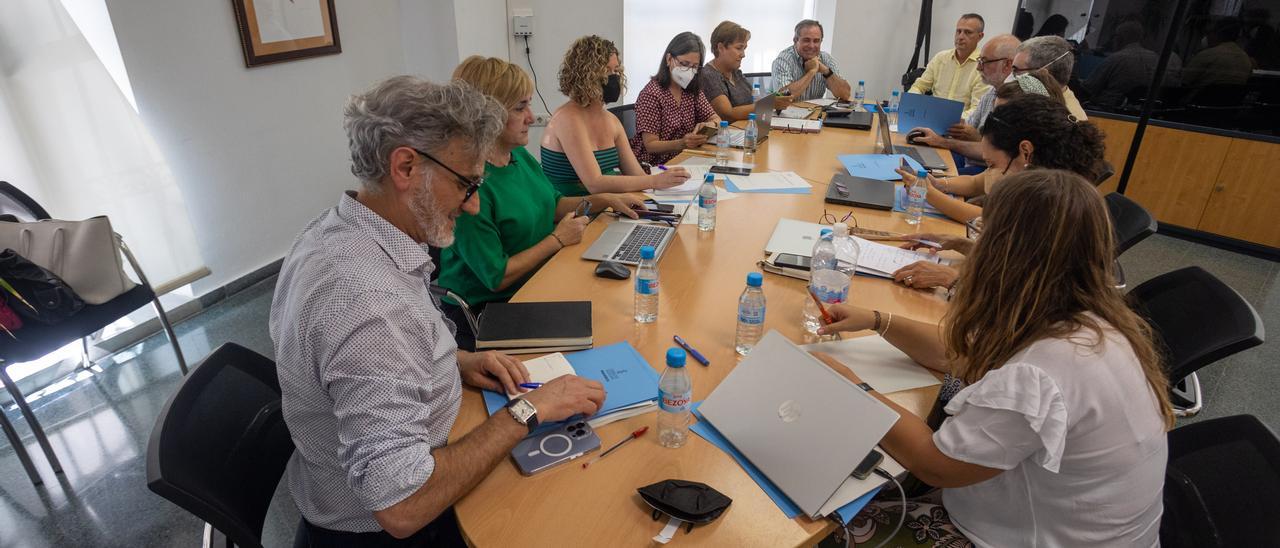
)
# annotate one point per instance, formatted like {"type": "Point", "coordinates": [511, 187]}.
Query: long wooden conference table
{"type": "Point", "coordinates": [702, 275]}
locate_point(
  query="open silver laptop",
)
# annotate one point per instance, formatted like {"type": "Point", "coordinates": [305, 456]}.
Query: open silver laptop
{"type": "Point", "coordinates": [622, 240]}
{"type": "Point", "coordinates": [927, 157]}
{"type": "Point", "coordinates": [801, 423]}
{"type": "Point", "coordinates": [764, 121]}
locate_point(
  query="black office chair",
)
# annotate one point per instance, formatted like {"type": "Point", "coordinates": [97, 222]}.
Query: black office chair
{"type": "Point", "coordinates": [1199, 320]}
{"type": "Point", "coordinates": [627, 115]}
{"type": "Point", "coordinates": [441, 292]}
{"type": "Point", "coordinates": [1132, 222]}
{"type": "Point", "coordinates": [35, 340]}
{"type": "Point", "coordinates": [1220, 485]}
{"type": "Point", "coordinates": [220, 445]}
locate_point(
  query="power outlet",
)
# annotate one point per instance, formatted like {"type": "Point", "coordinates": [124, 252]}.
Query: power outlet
{"type": "Point", "coordinates": [522, 22]}
{"type": "Point", "coordinates": [541, 119]}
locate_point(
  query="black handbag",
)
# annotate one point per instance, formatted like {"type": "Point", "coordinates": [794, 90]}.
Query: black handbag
{"type": "Point", "coordinates": [48, 300]}
{"type": "Point", "coordinates": [914, 70]}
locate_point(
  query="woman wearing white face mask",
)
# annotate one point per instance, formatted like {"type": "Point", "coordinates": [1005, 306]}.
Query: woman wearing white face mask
{"type": "Point", "coordinates": [671, 107]}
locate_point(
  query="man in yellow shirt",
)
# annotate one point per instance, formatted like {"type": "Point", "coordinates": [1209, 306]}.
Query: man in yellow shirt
{"type": "Point", "coordinates": [953, 74]}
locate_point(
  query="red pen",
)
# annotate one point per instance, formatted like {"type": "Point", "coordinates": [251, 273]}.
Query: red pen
{"type": "Point", "coordinates": [633, 436]}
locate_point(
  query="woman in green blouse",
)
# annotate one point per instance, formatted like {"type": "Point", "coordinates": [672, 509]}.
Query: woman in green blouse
{"type": "Point", "coordinates": [516, 230]}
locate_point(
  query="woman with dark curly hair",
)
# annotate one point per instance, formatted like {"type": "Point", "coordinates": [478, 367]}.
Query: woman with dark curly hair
{"type": "Point", "coordinates": [585, 148]}
{"type": "Point", "coordinates": [1028, 131]}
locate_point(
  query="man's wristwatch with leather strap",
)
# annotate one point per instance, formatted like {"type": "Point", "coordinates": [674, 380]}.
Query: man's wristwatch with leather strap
{"type": "Point", "coordinates": [523, 412]}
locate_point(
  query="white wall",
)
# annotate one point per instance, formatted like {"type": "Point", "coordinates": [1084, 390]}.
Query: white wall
{"type": "Point", "coordinates": [872, 39]}
{"type": "Point", "coordinates": [256, 152]}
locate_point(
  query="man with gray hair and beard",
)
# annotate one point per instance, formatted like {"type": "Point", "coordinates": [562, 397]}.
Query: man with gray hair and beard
{"type": "Point", "coordinates": [369, 371]}
{"type": "Point", "coordinates": [1054, 55]}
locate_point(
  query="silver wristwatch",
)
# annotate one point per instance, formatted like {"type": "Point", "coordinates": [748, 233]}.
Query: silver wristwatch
{"type": "Point", "coordinates": [523, 412]}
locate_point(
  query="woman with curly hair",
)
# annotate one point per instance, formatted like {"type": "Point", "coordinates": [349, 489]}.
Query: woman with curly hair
{"type": "Point", "coordinates": [585, 148]}
{"type": "Point", "coordinates": [671, 107]}
{"type": "Point", "coordinates": [1059, 437]}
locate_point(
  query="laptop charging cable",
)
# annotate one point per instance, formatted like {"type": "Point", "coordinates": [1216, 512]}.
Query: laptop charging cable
{"type": "Point", "coordinates": [848, 535]}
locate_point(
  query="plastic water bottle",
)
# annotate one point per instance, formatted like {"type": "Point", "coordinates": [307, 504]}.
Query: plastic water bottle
{"type": "Point", "coordinates": [847, 253]}
{"type": "Point", "coordinates": [675, 396]}
{"type": "Point", "coordinates": [750, 315]}
{"type": "Point", "coordinates": [647, 287]}
{"type": "Point", "coordinates": [749, 141]}
{"type": "Point", "coordinates": [831, 282]}
{"type": "Point", "coordinates": [722, 148]}
{"type": "Point", "coordinates": [860, 94]}
{"type": "Point", "coordinates": [822, 259]}
{"type": "Point", "coordinates": [707, 196]}
{"type": "Point", "coordinates": [894, 102]}
{"type": "Point", "coordinates": [916, 197]}
{"type": "Point", "coordinates": [755, 92]}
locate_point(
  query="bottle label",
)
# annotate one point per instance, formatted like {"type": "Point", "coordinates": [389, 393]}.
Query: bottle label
{"type": "Point", "coordinates": [705, 202]}
{"type": "Point", "coordinates": [647, 286]}
{"type": "Point", "coordinates": [917, 192]}
{"type": "Point", "coordinates": [674, 402]}
{"type": "Point", "coordinates": [831, 286]}
{"type": "Point", "coordinates": [752, 317]}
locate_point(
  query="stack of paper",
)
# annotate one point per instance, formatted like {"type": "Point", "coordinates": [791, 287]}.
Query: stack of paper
{"type": "Point", "coordinates": [773, 182]}
{"type": "Point", "coordinates": [797, 113]}
{"type": "Point", "coordinates": [791, 124]}
{"type": "Point", "coordinates": [877, 363]}
{"type": "Point", "coordinates": [822, 102]}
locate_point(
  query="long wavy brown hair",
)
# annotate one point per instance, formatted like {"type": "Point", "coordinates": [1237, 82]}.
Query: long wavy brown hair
{"type": "Point", "coordinates": [1043, 269]}
{"type": "Point", "coordinates": [585, 69]}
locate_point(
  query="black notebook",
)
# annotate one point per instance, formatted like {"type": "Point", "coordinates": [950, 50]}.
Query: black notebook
{"type": "Point", "coordinates": [860, 192]}
{"type": "Point", "coordinates": [520, 328]}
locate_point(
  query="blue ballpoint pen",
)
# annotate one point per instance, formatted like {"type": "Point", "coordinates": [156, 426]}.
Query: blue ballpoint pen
{"type": "Point", "coordinates": [530, 385]}
{"type": "Point", "coordinates": [696, 355]}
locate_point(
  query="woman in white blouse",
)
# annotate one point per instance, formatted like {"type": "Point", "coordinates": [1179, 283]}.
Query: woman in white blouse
{"type": "Point", "coordinates": [1059, 437]}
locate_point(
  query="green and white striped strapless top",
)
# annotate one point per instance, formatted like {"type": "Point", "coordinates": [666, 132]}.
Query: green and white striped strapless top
{"type": "Point", "coordinates": [557, 168]}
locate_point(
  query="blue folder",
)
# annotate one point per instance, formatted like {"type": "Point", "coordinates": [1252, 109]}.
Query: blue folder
{"type": "Point", "coordinates": [707, 432]}
{"type": "Point", "coordinates": [728, 185]}
{"type": "Point", "coordinates": [877, 166]}
{"type": "Point", "coordinates": [627, 377]}
{"type": "Point", "coordinates": [936, 113]}
{"type": "Point", "coordinates": [900, 204]}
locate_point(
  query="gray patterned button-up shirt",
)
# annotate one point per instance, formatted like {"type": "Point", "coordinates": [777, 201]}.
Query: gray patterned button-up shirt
{"type": "Point", "coordinates": [367, 365]}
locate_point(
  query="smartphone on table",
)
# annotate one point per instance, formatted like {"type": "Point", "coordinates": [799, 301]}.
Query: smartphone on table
{"type": "Point", "coordinates": [545, 450]}
{"type": "Point", "coordinates": [798, 262]}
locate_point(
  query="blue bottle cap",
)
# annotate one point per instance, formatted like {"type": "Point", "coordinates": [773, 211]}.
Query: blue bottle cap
{"type": "Point", "coordinates": [755, 279]}
{"type": "Point", "coordinates": [724, 123]}
{"type": "Point", "coordinates": [861, 82]}
{"type": "Point", "coordinates": [708, 177]}
{"type": "Point", "coordinates": [824, 232]}
{"type": "Point", "coordinates": [895, 93]}
{"type": "Point", "coordinates": [646, 252]}
{"type": "Point", "coordinates": [922, 174]}
{"type": "Point", "coordinates": [751, 116]}
{"type": "Point", "coordinates": [675, 357]}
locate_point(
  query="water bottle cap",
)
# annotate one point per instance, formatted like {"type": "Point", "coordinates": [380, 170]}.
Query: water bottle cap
{"type": "Point", "coordinates": [840, 229]}
{"type": "Point", "coordinates": [724, 123]}
{"type": "Point", "coordinates": [895, 93]}
{"type": "Point", "coordinates": [751, 116]}
{"type": "Point", "coordinates": [861, 82]}
{"type": "Point", "coordinates": [922, 174]}
{"type": "Point", "coordinates": [755, 279]}
{"type": "Point", "coordinates": [824, 232]}
{"type": "Point", "coordinates": [675, 357]}
{"type": "Point", "coordinates": [755, 85]}
{"type": "Point", "coordinates": [646, 252]}
{"type": "Point", "coordinates": [708, 177]}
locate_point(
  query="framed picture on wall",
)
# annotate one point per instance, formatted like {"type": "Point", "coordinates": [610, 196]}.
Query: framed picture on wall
{"type": "Point", "coordinates": [272, 31]}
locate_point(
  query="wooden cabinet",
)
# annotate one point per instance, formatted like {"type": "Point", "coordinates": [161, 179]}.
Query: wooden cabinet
{"type": "Point", "coordinates": [1119, 137]}
{"type": "Point", "coordinates": [1175, 172]}
{"type": "Point", "coordinates": [1246, 195]}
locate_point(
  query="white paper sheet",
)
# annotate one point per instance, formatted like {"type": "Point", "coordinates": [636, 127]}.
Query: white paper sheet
{"type": "Point", "coordinates": [852, 488]}
{"type": "Point", "coordinates": [887, 259]}
{"type": "Point", "coordinates": [770, 180]}
{"type": "Point", "coordinates": [797, 113]}
{"type": "Point", "coordinates": [878, 363]}
{"type": "Point", "coordinates": [546, 368]}
{"type": "Point", "coordinates": [822, 102]}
